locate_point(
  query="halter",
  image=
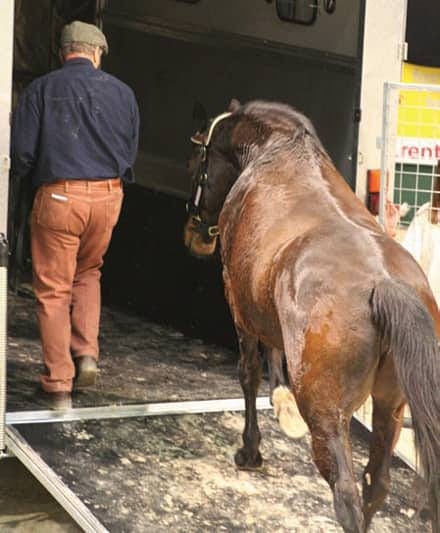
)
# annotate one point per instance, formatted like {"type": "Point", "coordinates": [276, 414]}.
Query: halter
{"type": "Point", "coordinates": [193, 205]}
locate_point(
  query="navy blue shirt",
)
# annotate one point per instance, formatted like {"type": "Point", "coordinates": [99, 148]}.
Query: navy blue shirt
{"type": "Point", "coordinates": [76, 122]}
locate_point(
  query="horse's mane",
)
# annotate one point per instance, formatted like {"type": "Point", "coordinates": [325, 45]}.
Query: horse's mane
{"type": "Point", "coordinates": [277, 115]}
{"type": "Point", "coordinates": [284, 120]}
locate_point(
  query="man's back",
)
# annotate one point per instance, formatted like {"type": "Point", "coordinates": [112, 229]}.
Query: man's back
{"type": "Point", "coordinates": [76, 122]}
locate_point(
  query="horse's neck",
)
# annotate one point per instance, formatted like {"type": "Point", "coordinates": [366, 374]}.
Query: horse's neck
{"type": "Point", "coordinates": [273, 202]}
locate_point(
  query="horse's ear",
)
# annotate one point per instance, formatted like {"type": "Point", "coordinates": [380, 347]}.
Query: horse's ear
{"type": "Point", "coordinates": [234, 105]}
{"type": "Point", "coordinates": [200, 116]}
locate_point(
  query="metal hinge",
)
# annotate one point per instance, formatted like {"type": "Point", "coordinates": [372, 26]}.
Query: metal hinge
{"type": "Point", "coordinates": [403, 51]}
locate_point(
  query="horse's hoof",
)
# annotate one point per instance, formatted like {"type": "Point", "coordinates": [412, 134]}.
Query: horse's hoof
{"type": "Point", "coordinates": [245, 462]}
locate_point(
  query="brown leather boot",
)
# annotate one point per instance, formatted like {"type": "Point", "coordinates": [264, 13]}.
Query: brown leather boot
{"type": "Point", "coordinates": [61, 400]}
{"type": "Point", "coordinates": [86, 369]}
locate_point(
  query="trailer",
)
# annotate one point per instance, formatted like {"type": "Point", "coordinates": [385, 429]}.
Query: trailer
{"type": "Point", "coordinates": [179, 54]}
{"type": "Point", "coordinates": [137, 452]}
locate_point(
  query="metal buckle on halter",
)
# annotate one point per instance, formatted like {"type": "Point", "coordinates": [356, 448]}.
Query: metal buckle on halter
{"type": "Point", "coordinates": [213, 231]}
{"type": "Point", "coordinates": [204, 153]}
{"type": "Point", "coordinates": [203, 228]}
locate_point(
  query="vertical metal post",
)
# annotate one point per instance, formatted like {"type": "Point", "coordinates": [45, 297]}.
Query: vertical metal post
{"type": "Point", "coordinates": [6, 55]}
{"type": "Point", "coordinates": [384, 152]}
{"type": "Point", "coordinates": [3, 336]}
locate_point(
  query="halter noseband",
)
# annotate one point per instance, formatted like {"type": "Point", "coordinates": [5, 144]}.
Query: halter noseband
{"type": "Point", "coordinates": [193, 205]}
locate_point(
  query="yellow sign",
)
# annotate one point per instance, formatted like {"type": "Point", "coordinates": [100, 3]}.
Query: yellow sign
{"type": "Point", "coordinates": [419, 111]}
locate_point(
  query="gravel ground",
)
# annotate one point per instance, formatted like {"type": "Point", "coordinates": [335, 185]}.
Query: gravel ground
{"type": "Point", "coordinates": [25, 505]}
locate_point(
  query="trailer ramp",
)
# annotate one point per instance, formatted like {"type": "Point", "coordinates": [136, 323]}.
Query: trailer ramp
{"type": "Point", "coordinates": [176, 473]}
{"type": "Point", "coordinates": [150, 448]}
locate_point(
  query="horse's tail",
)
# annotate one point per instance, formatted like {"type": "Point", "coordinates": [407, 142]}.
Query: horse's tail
{"type": "Point", "coordinates": [406, 326]}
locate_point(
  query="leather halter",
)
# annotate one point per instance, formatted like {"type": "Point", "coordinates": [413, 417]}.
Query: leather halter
{"type": "Point", "coordinates": [193, 206]}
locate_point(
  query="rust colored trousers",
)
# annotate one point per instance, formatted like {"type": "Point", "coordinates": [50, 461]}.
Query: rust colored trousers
{"type": "Point", "coordinates": [71, 227]}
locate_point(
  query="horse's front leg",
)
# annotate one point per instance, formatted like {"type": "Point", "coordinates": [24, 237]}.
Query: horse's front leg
{"type": "Point", "coordinates": [250, 371]}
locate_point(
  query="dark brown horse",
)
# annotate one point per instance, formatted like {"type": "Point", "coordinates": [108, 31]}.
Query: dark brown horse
{"type": "Point", "coordinates": [308, 273]}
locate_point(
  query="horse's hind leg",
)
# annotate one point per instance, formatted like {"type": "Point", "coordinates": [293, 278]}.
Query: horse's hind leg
{"type": "Point", "coordinates": [250, 376]}
{"type": "Point", "coordinates": [388, 405]}
{"type": "Point", "coordinates": [275, 363]}
{"type": "Point", "coordinates": [332, 455]}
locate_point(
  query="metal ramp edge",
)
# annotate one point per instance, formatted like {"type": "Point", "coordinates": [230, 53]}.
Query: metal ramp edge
{"type": "Point", "coordinates": [133, 410]}
{"type": "Point", "coordinates": [404, 449]}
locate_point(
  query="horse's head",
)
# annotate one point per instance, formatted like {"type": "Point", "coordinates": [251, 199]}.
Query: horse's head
{"type": "Point", "coordinates": [214, 169]}
{"type": "Point", "coordinates": [221, 153]}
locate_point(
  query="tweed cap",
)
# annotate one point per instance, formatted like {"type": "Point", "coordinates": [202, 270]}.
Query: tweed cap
{"type": "Point", "coordinates": [81, 32]}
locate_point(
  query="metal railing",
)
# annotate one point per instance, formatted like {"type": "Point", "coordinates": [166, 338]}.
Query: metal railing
{"type": "Point", "coordinates": [410, 171]}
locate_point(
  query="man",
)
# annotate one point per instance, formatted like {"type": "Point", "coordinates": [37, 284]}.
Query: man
{"type": "Point", "coordinates": [75, 132]}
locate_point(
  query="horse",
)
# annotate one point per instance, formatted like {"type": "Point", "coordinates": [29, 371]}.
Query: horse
{"type": "Point", "coordinates": [310, 275]}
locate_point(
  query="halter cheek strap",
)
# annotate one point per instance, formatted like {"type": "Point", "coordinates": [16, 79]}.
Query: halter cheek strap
{"type": "Point", "coordinates": [193, 206]}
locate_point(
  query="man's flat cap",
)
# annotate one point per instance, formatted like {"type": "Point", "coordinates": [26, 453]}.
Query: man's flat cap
{"type": "Point", "coordinates": [81, 32]}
